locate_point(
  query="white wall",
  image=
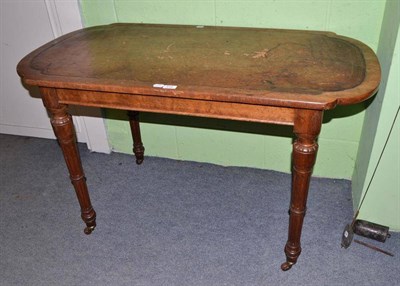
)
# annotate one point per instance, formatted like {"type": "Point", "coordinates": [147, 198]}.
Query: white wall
{"type": "Point", "coordinates": [26, 25]}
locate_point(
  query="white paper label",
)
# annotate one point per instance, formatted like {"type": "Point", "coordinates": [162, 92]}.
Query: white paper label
{"type": "Point", "coordinates": [164, 86]}
{"type": "Point", "coordinates": [158, 85]}
{"type": "Point", "coordinates": [169, 86]}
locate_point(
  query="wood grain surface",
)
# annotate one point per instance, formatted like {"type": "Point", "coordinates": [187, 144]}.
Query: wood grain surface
{"type": "Point", "coordinates": [258, 66]}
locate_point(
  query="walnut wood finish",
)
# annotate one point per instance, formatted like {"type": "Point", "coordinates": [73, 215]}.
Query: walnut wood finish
{"type": "Point", "coordinates": [260, 75]}
{"type": "Point", "coordinates": [138, 148]}
{"type": "Point", "coordinates": [307, 126]}
{"type": "Point", "coordinates": [64, 131]}
{"type": "Point", "coordinates": [182, 106]}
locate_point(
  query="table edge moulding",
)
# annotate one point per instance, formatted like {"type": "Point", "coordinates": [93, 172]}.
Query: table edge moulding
{"type": "Point", "coordinates": [286, 77]}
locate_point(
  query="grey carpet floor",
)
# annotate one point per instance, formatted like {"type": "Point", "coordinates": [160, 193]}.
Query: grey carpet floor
{"type": "Point", "coordinates": [170, 222]}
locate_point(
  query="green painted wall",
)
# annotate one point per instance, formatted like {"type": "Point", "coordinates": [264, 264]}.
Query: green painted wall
{"type": "Point", "coordinates": [241, 144]}
{"type": "Point", "coordinates": [382, 203]}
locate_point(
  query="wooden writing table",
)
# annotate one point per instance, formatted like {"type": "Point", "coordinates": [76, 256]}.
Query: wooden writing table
{"type": "Point", "coordinates": [262, 75]}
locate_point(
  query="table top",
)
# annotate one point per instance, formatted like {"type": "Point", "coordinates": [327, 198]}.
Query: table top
{"type": "Point", "coordinates": [291, 68]}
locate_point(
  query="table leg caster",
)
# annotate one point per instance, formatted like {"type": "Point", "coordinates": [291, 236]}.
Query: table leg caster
{"type": "Point", "coordinates": [139, 160]}
{"type": "Point", "coordinates": [286, 265]}
{"type": "Point", "coordinates": [88, 230]}
{"type": "Point", "coordinates": [138, 150]}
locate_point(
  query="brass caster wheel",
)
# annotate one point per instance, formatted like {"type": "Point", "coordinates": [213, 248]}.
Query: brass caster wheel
{"type": "Point", "coordinates": [88, 230]}
{"type": "Point", "coordinates": [286, 265]}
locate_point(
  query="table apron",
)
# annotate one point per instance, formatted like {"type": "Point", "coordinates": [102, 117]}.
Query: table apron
{"type": "Point", "coordinates": [182, 106]}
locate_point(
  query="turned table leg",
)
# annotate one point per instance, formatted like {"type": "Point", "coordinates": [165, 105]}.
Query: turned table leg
{"type": "Point", "coordinates": [138, 148]}
{"type": "Point", "coordinates": [307, 126]}
{"type": "Point", "coordinates": [64, 131]}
